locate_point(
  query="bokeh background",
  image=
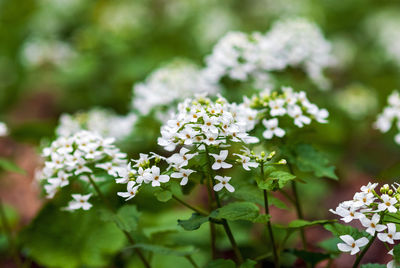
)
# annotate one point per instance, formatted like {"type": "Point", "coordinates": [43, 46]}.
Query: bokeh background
{"type": "Point", "coordinates": [67, 56]}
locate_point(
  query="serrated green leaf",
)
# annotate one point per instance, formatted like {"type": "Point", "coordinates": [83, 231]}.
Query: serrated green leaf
{"type": "Point", "coordinates": [338, 229]}
{"type": "Point", "coordinates": [310, 257]}
{"type": "Point", "coordinates": [9, 166]}
{"type": "Point", "coordinates": [307, 159]}
{"type": "Point", "coordinates": [274, 179]}
{"type": "Point", "coordinates": [240, 211]}
{"type": "Point", "coordinates": [164, 250]}
{"type": "Point", "coordinates": [221, 263]}
{"type": "Point", "coordinates": [71, 239]}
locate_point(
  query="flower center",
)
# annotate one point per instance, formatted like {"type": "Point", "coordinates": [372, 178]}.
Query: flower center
{"type": "Point", "coordinates": [353, 245]}
{"type": "Point", "coordinates": [156, 178]}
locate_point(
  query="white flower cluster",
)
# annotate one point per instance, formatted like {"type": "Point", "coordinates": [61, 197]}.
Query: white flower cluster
{"type": "Point", "coordinates": [293, 104]}
{"type": "Point", "coordinates": [3, 129]}
{"type": "Point", "coordinates": [384, 27]}
{"type": "Point", "coordinates": [201, 122]}
{"type": "Point", "coordinates": [168, 84]}
{"type": "Point", "coordinates": [100, 121]}
{"type": "Point", "coordinates": [77, 157]}
{"type": "Point", "coordinates": [290, 43]}
{"type": "Point", "coordinates": [39, 52]}
{"type": "Point", "coordinates": [390, 115]}
{"type": "Point", "coordinates": [370, 209]}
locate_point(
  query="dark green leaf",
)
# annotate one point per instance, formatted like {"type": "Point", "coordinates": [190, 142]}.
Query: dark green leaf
{"type": "Point", "coordinates": [330, 245]}
{"type": "Point", "coordinates": [194, 223]}
{"type": "Point", "coordinates": [241, 211]}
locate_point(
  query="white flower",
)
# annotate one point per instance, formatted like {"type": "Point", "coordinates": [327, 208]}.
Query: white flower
{"type": "Point", "coordinates": [372, 224]}
{"type": "Point", "coordinates": [348, 213]}
{"type": "Point", "coordinates": [184, 174]}
{"type": "Point", "coordinates": [79, 201]}
{"type": "Point", "coordinates": [363, 199]}
{"type": "Point", "coordinates": [219, 160]}
{"type": "Point", "coordinates": [277, 108]}
{"type": "Point", "coordinates": [390, 235]}
{"type": "Point", "coordinates": [351, 245]}
{"type": "Point", "coordinates": [369, 188]}
{"type": "Point", "coordinates": [155, 178]}
{"type": "Point", "coordinates": [131, 190]}
{"type": "Point", "coordinates": [3, 129]}
{"type": "Point", "coordinates": [387, 203]}
{"type": "Point", "coordinates": [245, 160]}
{"type": "Point", "coordinates": [272, 129]}
{"type": "Point", "coordinates": [299, 118]}
{"type": "Point", "coordinates": [223, 182]}
{"type": "Point", "coordinates": [182, 158]}
{"type": "Point", "coordinates": [110, 168]}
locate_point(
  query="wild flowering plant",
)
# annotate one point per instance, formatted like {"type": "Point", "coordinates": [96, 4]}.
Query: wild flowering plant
{"type": "Point", "coordinates": [378, 214]}
{"type": "Point", "coordinates": [81, 158]}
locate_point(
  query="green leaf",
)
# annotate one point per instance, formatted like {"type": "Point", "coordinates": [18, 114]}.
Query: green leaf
{"type": "Point", "coordinates": [274, 179]}
{"type": "Point", "coordinates": [310, 257]}
{"type": "Point", "coordinates": [71, 239]}
{"type": "Point", "coordinates": [248, 264]}
{"type": "Point", "coordinates": [338, 229]}
{"type": "Point", "coordinates": [221, 263]}
{"type": "Point", "coordinates": [241, 211]}
{"type": "Point", "coordinates": [164, 250]}
{"type": "Point", "coordinates": [9, 166]}
{"type": "Point", "coordinates": [330, 245]}
{"type": "Point", "coordinates": [194, 222]}
{"type": "Point", "coordinates": [126, 218]}
{"type": "Point", "coordinates": [396, 253]}
{"type": "Point", "coordinates": [296, 224]}
{"type": "Point", "coordinates": [373, 265]}
{"type": "Point", "coordinates": [307, 159]}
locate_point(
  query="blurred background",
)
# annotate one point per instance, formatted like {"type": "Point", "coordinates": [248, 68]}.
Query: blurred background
{"type": "Point", "coordinates": [60, 57]}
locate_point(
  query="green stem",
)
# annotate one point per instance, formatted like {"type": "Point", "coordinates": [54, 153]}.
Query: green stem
{"type": "Point", "coordinates": [190, 259]}
{"type": "Point", "coordinates": [225, 224]}
{"type": "Point", "coordinates": [359, 257]}
{"type": "Point", "coordinates": [127, 234]}
{"type": "Point", "coordinates": [7, 229]}
{"type": "Point", "coordinates": [269, 225]}
{"type": "Point", "coordinates": [299, 210]}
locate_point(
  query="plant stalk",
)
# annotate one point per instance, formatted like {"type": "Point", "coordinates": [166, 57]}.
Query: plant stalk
{"type": "Point", "coordinates": [127, 234]}
{"type": "Point", "coordinates": [225, 224]}
{"type": "Point", "coordinates": [359, 257]}
{"type": "Point", "coordinates": [269, 225]}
